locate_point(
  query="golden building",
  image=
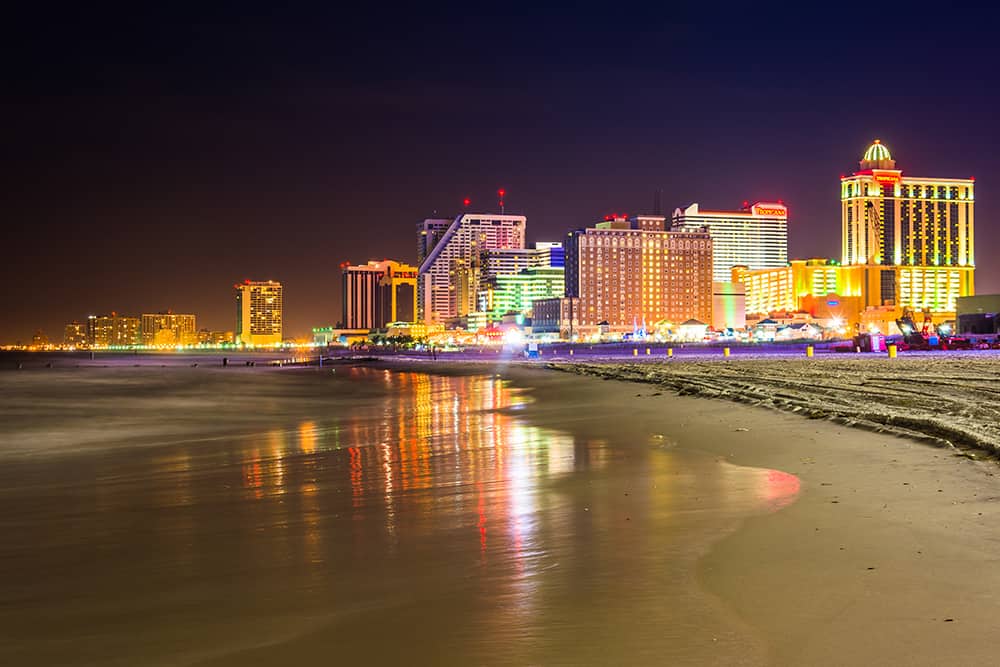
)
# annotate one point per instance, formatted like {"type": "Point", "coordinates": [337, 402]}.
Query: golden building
{"type": "Point", "coordinates": [891, 219]}
{"type": "Point", "coordinates": [908, 242]}
{"type": "Point", "coordinates": [377, 293]}
{"type": "Point", "coordinates": [259, 310]}
{"type": "Point", "coordinates": [113, 330]}
{"type": "Point", "coordinates": [855, 288]}
{"type": "Point", "coordinates": [169, 329]}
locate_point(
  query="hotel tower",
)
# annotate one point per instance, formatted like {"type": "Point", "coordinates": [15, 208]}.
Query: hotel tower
{"type": "Point", "coordinates": [259, 306]}
{"type": "Point", "coordinates": [755, 237]}
{"type": "Point", "coordinates": [456, 253]}
{"type": "Point", "coordinates": [908, 242]}
{"type": "Point", "coordinates": [923, 228]}
{"type": "Point", "coordinates": [892, 219]}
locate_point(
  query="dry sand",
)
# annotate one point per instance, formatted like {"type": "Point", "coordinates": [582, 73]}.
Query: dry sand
{"type": "Point", "coordinates": [949, 400]}
{"type": "Point", "coordinates": [890, 555]}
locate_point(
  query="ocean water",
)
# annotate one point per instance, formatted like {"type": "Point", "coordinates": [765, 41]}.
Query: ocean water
{"type": "Point", "coordinates": [244, 516]}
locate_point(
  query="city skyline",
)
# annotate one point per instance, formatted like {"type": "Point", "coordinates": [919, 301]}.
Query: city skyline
{"type": "Point", "coordinates": [251, 166]}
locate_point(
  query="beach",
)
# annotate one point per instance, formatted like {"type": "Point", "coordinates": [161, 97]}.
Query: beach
{"type": "Point", "coordinates": [485, 513]}
{"type": "Point", "coordinates": [889, 553]}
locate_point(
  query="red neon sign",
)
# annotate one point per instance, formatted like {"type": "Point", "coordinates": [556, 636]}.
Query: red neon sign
{"type": "Point", "coordinates": [887, 176]}
{"type": "Point", "coordinates": [770, 209]}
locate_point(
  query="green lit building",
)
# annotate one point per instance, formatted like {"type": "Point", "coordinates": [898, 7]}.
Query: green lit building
{"type": "Point", "coordinates": [514, 293]}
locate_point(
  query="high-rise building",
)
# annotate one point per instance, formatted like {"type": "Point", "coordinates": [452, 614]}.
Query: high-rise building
{"type": "Point", "coordinates": [756, 237]}
{"type": "Point", "coordinates": [629, 272]}
{"type": "Point", "coordinates": [429, 232]}
{"type": "Point", "coordinates": [466, 237]}
{"type": "Point", "coordinates": [377, 293]}
{"type": "Point", "coordinates": [169, 329]}
{"type": "Point", "coordinates": [891, 219]}
{"type": "Point", "coordinates": [464, 279]}
{"type": "Point", "coordinates": [75, 335]}
{"type": "Point", "coordinates": [113, 330]}
{"type": "Point", "coordinates": [259, 306]}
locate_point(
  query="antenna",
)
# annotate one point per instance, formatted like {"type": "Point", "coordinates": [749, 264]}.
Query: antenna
{"type": "Point", "coordinates": [658, 201]}
{"type": "Point", "coordinates": [501, 192]}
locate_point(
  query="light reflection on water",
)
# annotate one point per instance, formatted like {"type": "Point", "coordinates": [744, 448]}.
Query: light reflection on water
{"type": "Point", "coordinates": [361, 524]}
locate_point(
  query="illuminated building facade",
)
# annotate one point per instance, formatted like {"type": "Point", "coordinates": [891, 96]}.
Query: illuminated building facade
{"type": "Point", "coordinates": [377, 293]}
{"type": "Point", "coordinates": [259, 308]}
{"type": "Point", "coordinates": [629, 272]}
{"type": "Point", "coordinates": [517, 293]}
{"type": "Point", "coordinates": [466, 237]}
{"type": "Point", "coordinates": [429, 232]}
{"type": "Point", "coordinates": [510, 261]}
{"type": "Point", "coordinates": [908, 242]}
{"type": "Point", "coordinates": [729, 306]}
{"type": "Point", "coordinates": [891, 219]}
{"type": "Point", "coordinates": [214, 338]}
{"type": "Point", "coordinates": [464, 278]}
{"type": "Point", "coordinates": [169, 329]}
{"type": "Point", "coordinates": [75, 335]}
{"type": "Point", "coordinates": [113, 330]}
{"type": "Point", "coordinates": [756, 237]}
{"type": "Point", "coordinates": [854, 288]}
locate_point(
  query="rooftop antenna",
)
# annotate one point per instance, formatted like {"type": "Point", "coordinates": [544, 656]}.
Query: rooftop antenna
{"type": "Point", "coordinates": [501, 192]}
{"type": "Point", "coordinates": [658, 201]}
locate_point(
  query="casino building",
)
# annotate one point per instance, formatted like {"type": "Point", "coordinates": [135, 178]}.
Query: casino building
{"type": "Point", "coordinates": [893, 220]}
{"type": "Point", "coordinates": [908, 242]}
{"type": "Point", "coordinates": [755, 237]}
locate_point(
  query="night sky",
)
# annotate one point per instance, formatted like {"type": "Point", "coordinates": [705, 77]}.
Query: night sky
{"type": "Point", "coordinates": [152, 160]}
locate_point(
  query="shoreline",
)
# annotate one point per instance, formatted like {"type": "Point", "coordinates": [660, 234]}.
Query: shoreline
{"type": "Point", "coordinates": [926, 399]}
{"type": "Point", "coordinates": [886, 556]}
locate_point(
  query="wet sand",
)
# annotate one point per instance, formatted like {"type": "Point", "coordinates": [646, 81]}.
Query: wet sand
{"type": "Point", "coordinates": [274, 517]}
{"type": "Point", "coordinates": [890, 554]}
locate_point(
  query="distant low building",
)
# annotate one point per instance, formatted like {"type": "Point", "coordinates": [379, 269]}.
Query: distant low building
{"type": "Point", "coordinates": [75, 335]}
{"type": "Point", "coordinates": [113, 330]}
{"type": "Point", "coordinates": [169, 329]}
{"type": "Point", "coordinates": [39, 340]}
{"type": "Point", "coordinates": [557, 315]}
{"type": "Point", "coordinates": [215, 338]}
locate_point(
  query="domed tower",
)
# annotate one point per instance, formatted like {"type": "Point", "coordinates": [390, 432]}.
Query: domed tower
{"type": "Point", "coordinates": [913, 234]}
{"type": "Point", "coordinates": [877, 157]}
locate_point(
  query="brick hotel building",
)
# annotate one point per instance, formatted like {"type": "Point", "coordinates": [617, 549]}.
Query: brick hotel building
{"type": "Point", "coordinates": [629, 272]}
